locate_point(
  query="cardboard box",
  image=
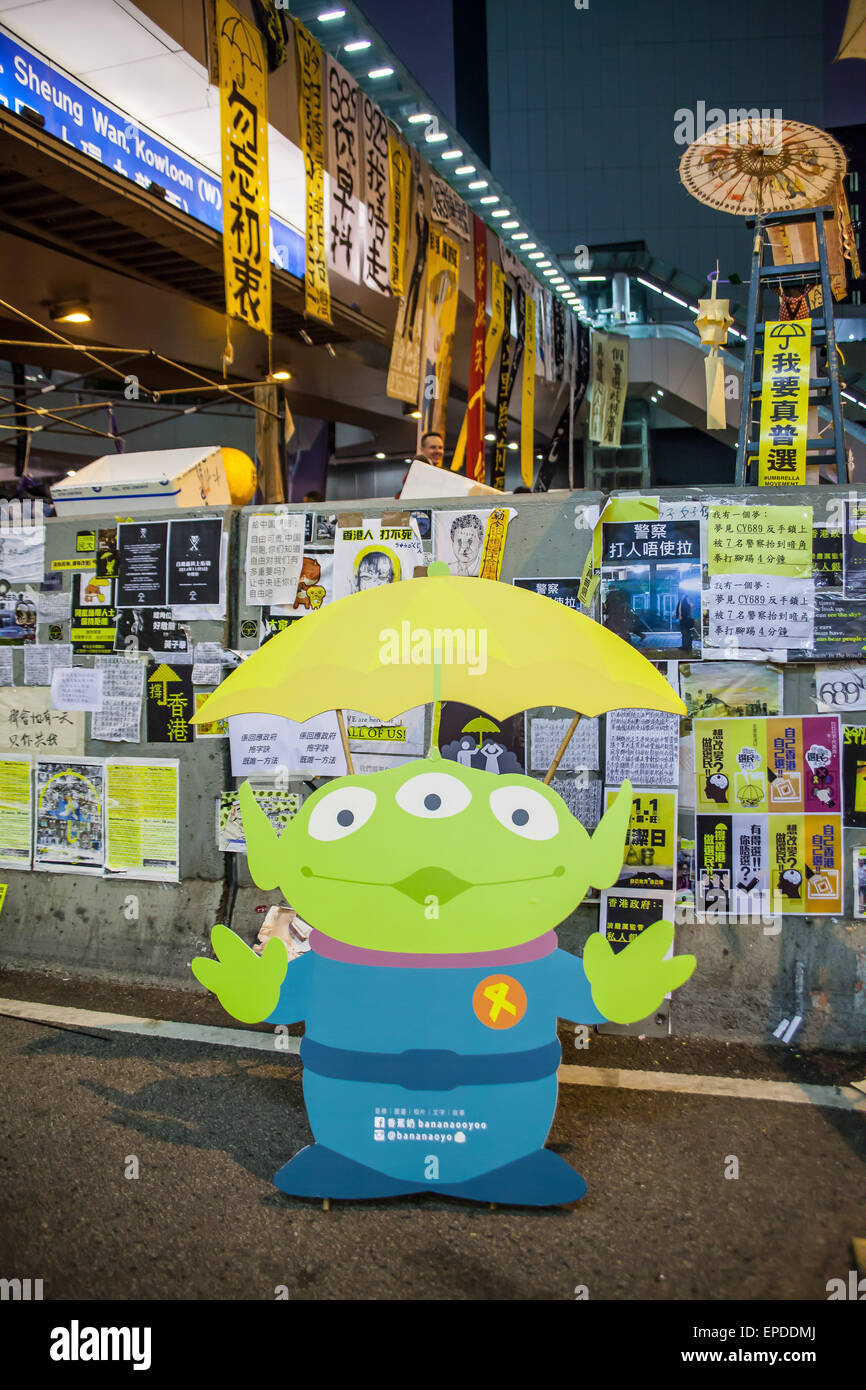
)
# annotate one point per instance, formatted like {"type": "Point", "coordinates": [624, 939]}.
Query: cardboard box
{"type": "Point", "coordinates": [158, 480]}
{"type": "Point", "coordinates": [426, 480]}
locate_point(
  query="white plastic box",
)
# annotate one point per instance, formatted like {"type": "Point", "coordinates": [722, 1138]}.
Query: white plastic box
{"type": "Point", "coordinates": [147, 482]}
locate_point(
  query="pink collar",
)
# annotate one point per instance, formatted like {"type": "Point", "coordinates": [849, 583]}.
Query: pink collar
{"type": "Point", "coordinates": [525, 951]}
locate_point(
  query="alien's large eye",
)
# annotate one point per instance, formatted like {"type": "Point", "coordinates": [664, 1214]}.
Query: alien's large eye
{"type": "Point", "coordinates": [341, 812]}
{"type": "Point", "coordinates": [433, 795]}
{"type": "Point", "coordinates": [525, 812]}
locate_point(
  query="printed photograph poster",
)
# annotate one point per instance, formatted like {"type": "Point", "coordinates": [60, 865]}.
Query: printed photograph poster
{"type": "Point", "coordinates": [194, 550]}
{"type": "Point", "coordinates": [839, 688]}
{"type": "Point", "coordinates": [729, 690]}
{"type": "Point", "coordinates": [651, 839]}
{"type": "Point", "coordinates": [651, 586]}
{"type": "Point", "coordinates": [471, 738]}
{"type": "Point", "coordinates": [372, 554]}
{"type": "Point", "coordinates": [16, 812]}
{"type": "Point", "coordinates": [142, 817]}
{"type": "Point", "coordinates": [18, 616]}
{"type": "Point", "coordinates": [278, 806]}
{"type": "Point", "coordinates": [563, 591]}
{"type": "Point", "coordinates": [142, 552]}
{"type": "Point", "coordinates": [29, 725]}
{"type": "Point", "coordinates": [806, 864]}
{"type": "Point", "coordinates": [69, 800]}
{"type": "Point", "coordinates": [94, 617]}
{"type": "Point", "coordinates": [624, 915]}
{"type": "Point", "coordinates": [642, 747]}
{"type": "Point", "coordinates": [732, 864]}
{"type": "Point", "coordinates": [855, 549]}
{"type": "Point", "coordinates": [854, 775]}
{"type": "Point", "coordinates": [839, 631]}
{"type": "Point", "coordinates": [315, 586]}
{"type": "Point", "coordinates": [858, 881]}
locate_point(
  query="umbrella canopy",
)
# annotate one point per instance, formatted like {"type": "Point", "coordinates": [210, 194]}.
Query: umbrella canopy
{"type": "Point", "coordinates": [501, 648]}
{"type": "Point", "coordinates": [758, 166]}
{"type": "Point", "coordinates": [853, 41]}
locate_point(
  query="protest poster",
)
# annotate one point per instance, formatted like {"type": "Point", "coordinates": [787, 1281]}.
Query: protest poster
{"type": "Point", "coordinates": [642, 748]}
{"type": "Point", "coordinates": [651, 585]}
{"type": "Point", "coordinates": [858, 881]}
{"type": "Point", "coordinates": [218, 729]}
{"type": "Point", "coordinates": [762, 765]}
{"type": "Point", "coordinates": [729, 690]}
{"type": "Point", "coordinates": [142, 816]}
{"type": "Point", "coordinates": [275, 551]}
{"type": "Point", "coordinates": [372, 554]}
{"type": "Point", "coordinates": [732, 864]}
{"type": "Point", "coordinates": [854, 775]}
{"type": "Point", "coordinates": [471, 738]}
{"type": "Point", "coordinates": [545, 732]}
{"type": "Point", "coordinates": [760, 540]}
{"type": "Point", "coordinates": [170, 703]}
{"type": "Point", "coordinates": [94, 616]}
{"type": "Point", "coordinates": [266, 745]}
{"type": "Point", "coordinates": [582, 796]}
{"type": "Point", "coordinates": [142, 552]}
{"type": "Point", "coordinates": [315, 587]}
{"type": "Point", "coordinates": [806, 864]}
{"type": "Point", "coordinates": [565, 591]}
{"type": "Point", "coordinates": [841, 687]}
{"type": "Point", "coordinates": [41, 661]}
{"type": "Point", "coordinates": [854, 546]}
{"type": "Point", "coordinates": [76, 688]}
{"type": "Point", "coordinates": [651, 838]}
{"type": "Point", "coordinates": [472, 544]}
{"type": "Point", "coordinates": [28, 724]}
{"type": "Point", "coordinates": [391, 742]}
{"type": "Point", "coordinates": [839, 631]}
{"type": "Point", "coordinates": [827, 557]}
{"type": "Point", "coordinates": [149, 630]}
{"type": "Point", "coordinates": [119, 718]}
{"type": "Point", "coordinates": [16, 812]}
{"type": "Point", "coordinates": [342, 100]}
{"type": "Point", "coordinates": [624, 915]}
{"type": "Point", "coordinates": [69, 798]}
{"type": "Point", "coordinates": [759, 611]}
{"type": "Point", "coordinates": [194, 549]}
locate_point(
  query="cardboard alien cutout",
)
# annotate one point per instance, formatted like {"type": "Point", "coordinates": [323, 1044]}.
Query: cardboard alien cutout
{"type": "Point", "coordinates": [431, 992]}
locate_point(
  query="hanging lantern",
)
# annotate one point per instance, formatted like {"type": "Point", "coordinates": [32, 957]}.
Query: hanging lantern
{"type": "Point", "coordinates": [713, 322]}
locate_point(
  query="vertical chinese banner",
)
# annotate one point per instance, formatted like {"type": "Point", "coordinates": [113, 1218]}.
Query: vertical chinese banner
{"type": "Point", "coordinates": [243, 80]}
{"type": "Point", "coordinates": [343, 164]}
{"type": "Point", "coordinates": [475, 461]}
{"type": "Point", "coordinates": [617, 354]}
{"type": "Point", "coordinates": [598, 386]}
{"type": "Point", "coordinates": [784, 403]}
{"type": "Point", "coordinates": [400, 170]}
{"type": "Point", "coordinates": [503, 390]}
{"type": "Point", "coordinates": [491, 347]}
{"type": "Point", "coordinates": [443, 269]}
{"type": "Point", "coordinates": [317, 290]}
{"type": "Point", "coordinates": [404, 368]}
{"type": "Point", "coordinates": [375, 272]}
{"type": "Point", "coordinates": [527, 405]}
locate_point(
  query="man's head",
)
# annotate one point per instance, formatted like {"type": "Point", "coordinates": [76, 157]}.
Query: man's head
{"type": "Point", "coordinates": [467, 534]}
{"type": "Point", "coordinates": [433, 448]}
{"type": "Point", "coordinates": [374, 568]}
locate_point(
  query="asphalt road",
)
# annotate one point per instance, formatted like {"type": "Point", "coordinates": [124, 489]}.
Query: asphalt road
{"type": "Point", "coordinates": [210, 1125]}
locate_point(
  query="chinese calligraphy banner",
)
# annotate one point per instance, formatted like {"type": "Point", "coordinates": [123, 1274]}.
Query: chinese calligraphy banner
{"type": "Point", "coordinates": [608, 385]}
{"type": "Point", "coordinates": [784, 403]}
{"type": "Point", "coordinates": [375, 271]}
{"type": "Point", "coordinates": [400, 168]}
{"type": "Point", "coordinates": [244, 123]}
{"type": "Point", "coordinates": [344, 157]}
{"type": "Point", "coordinates": [760, 540]}
{"type": "Point", "coordinates": [443, 272]}
{"type": "Point", "coordinates": [503, 388]}
{"type": "Point", "coordinates": [448, 207]}
{"type": "Point", "coordinates": [495, 329]}
{"type": "Point", "coordinates": [475, 462]}
{"type": "Point", "coordinates": [527, 406]}
{"type": "Point", "coordinates": [405, 365]}
{"type": "Point", "coordinates": [317, 290]}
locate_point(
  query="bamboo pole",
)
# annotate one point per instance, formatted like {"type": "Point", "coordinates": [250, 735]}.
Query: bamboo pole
{"type": "Point", "coordinates": [341, 723]}
{"type": "Point", "coordinates": [560, 752]}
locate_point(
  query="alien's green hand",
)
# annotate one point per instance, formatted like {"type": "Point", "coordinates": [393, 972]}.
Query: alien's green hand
{"type": "Point", "coordinates": [631, 984]}
{"type": "Point", "coordinates": [247, 985]}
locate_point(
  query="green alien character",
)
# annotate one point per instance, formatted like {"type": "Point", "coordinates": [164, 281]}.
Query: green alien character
{"type": "Point", "coordinates": [434, 981]}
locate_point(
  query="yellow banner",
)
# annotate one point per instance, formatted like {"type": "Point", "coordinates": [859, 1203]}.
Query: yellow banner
{"type": "Point", "coordinates": [785, 403]}
{"type": "Point", "coordinates": [243, 76]}
{"type": "Point", "coordinates": [443, 272]}
{"type": "Point", "coordinates": [760, 540]}
{"type": "Point", "coordinates": [493, 549]}
{"type": "Point", "coordinates": [495, 329]}
{"type": "Point", "coordinates": [317, 290]}
{"type": "Point", "coordinates": [527, 404]}
{"type": "Point", "coordinates": [400, 176]}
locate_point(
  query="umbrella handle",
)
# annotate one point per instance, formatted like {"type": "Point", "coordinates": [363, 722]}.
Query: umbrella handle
{"type": "Point", "coordinates": [560, 752]}
{"type": "Point", "coordinates": [437, 701]}
{"type": "Point", "coordinates": [341, 724]}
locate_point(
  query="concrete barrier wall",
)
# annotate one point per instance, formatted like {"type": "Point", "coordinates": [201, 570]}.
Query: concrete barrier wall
{"type": "Point", "coordinates": [747, 980]}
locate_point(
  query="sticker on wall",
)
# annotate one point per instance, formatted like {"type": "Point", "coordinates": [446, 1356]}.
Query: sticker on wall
{"type": "Point", "coordinates": [170, 703]}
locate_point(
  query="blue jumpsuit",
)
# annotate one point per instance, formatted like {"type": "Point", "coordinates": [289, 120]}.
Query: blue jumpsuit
{"type": "Point", "coordinates": [430, 1077]}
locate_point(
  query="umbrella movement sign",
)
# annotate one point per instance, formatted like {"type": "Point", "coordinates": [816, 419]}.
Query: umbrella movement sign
{"type": "Point", "coordinates": [317, 291]}
{"type": "Point", "coordinates": [244, 122]}
{"type": "Point", "coordinates": [527, 409]}
{"type": "Point", "coordinates": [443, 270]}
{"type": "Point", "coordinates": [784, 403]}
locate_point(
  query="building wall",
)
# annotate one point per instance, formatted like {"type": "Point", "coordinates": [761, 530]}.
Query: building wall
{"type": "Point", "coordinates": [582, 106]}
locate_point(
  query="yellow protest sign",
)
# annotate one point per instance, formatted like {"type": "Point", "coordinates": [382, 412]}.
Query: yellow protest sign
{"type": "Point", "coordinates": [527, 405]}
{"type": "Point", "coordinates": [317, 289]}
{"type": "Point", "coordinates": [443, 272]}
{"type": "Point", "coordinates": [243, 78]}
{"type": "Point", "coordinates": [400, 178]}
{"type": "Point", "coordinates": [760, 540]}
{"type": "Point", "coordinates": [617, 509]}
{"type": "Point", "coordinates": [784, 403]}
